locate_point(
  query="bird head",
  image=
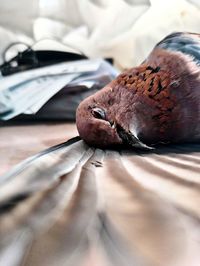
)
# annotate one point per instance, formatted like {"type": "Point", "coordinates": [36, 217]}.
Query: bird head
{"type": "Point", "coordinates": [103, 119]}
{"type": "Point", "coordinates": [95, 120]}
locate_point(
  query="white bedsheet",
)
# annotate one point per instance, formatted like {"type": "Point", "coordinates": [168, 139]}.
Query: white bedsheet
{"type": "Point", "coordinates": [125, 30]}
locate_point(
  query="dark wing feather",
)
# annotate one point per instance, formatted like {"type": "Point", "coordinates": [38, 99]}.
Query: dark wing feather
{"type": "Point", "coordinates": [187, 43]}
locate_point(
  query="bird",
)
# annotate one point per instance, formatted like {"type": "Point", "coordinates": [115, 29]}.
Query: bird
{"type": "Point", "coordinates": [157, 102]}
{"type": "Point", "coordinates": [105, 203]}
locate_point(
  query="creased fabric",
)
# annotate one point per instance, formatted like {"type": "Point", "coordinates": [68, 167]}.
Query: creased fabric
{"type": "Point", "coordinates": [125, 30]}
{"type": "Point", "coordinates": [76, 205]}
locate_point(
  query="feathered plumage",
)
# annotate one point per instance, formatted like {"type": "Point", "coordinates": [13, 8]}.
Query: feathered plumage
{"type": "Point", "coordinates": [156, 102]}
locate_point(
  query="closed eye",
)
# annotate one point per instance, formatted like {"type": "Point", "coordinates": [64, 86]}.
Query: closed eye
{"type": "Point", "coordinates": [99, 113]}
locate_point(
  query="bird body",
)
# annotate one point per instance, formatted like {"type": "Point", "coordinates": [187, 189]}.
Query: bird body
{"type": "Point", "coordinates": [156, 102]}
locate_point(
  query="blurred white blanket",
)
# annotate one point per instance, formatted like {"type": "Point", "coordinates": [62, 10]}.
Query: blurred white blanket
{"type": "Point", "coordinates": [125, 30]}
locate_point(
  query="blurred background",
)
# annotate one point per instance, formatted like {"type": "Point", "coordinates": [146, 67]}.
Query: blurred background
{"type": "Point", "coordinates": [123, 30]}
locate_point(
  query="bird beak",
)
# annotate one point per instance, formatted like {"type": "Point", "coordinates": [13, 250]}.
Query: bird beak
{"type": "Point", "coordinates": [113, 124]}
{"type": "Point", "coordinates": [130, 139]}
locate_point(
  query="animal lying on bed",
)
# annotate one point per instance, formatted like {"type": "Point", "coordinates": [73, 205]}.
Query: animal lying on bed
{"type": "Point", "coordinates": [156, 102]}
{"type": "Point", "coordinates": [75, 204]}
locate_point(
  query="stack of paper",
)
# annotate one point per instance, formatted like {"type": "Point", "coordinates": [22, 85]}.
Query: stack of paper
{"type": "Point", "coordinates": [27, 92]}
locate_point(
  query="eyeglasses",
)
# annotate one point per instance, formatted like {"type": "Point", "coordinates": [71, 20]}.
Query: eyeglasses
{"type": "Point", "coordinates": [20, 57]}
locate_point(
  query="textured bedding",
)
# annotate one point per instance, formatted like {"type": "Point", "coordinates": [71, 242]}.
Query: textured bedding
{"type": "Point", "coordinates": [76, 205]}
{"type": "Point", "coordinates": [17, 142]}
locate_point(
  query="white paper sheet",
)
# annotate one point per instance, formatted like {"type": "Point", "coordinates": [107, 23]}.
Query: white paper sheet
{"type": "Point", "coordinates": [27, 92]}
